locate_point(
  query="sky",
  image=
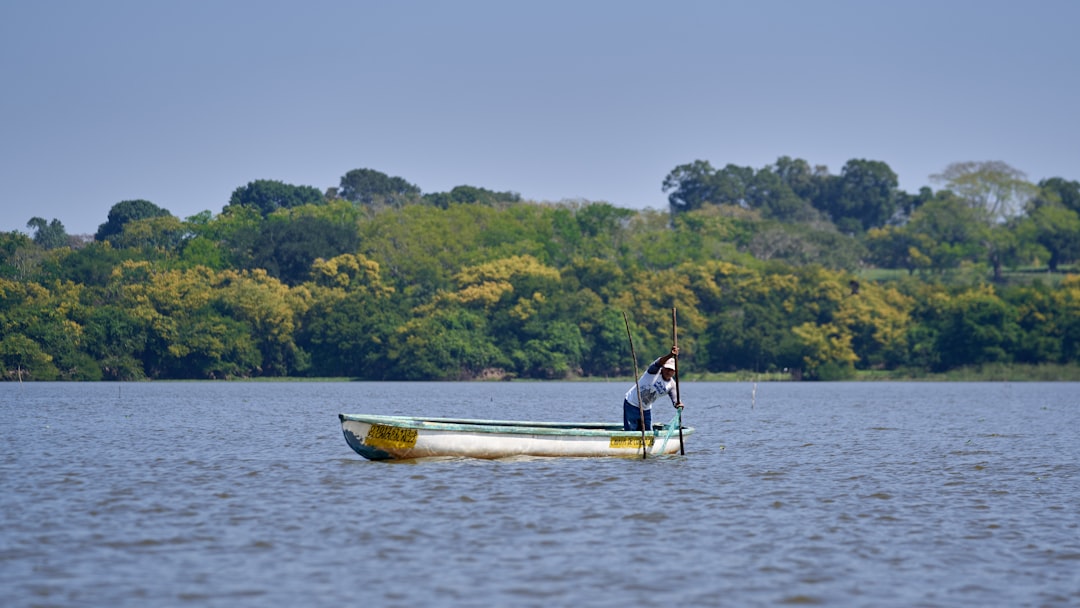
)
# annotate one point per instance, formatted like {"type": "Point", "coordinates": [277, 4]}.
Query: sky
{"type": "Point", "coordinates": [181, 102]}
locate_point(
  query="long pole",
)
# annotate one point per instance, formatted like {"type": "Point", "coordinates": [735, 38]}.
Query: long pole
{"type": "Point", "coordinates": [678, 398]}
{"type": "Point", "coordinates": [637, 385]}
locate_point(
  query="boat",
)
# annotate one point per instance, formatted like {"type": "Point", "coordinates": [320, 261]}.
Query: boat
{"type": "Point", "coordinates": [406, 437]}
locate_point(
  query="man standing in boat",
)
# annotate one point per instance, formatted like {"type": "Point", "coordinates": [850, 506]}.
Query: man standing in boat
{"type": "Point", "coordinates": [656, 380]}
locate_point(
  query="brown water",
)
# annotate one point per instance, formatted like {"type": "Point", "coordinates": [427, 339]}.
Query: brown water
{"type": "Point", "coordinates": [245, 494]}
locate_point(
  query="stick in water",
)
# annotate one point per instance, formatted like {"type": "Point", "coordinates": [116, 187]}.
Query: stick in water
{"type": "Point", "coordinates": [678, 398]}
{"type": "Point", "coordinates": [637, 385]}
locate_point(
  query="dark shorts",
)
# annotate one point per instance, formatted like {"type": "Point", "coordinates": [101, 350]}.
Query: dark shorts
{"type": "Point", "coordinates": [631, 417]}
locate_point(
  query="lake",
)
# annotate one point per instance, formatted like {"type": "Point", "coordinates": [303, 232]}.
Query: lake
{"type": "Point", "coordinates": [245, 494]}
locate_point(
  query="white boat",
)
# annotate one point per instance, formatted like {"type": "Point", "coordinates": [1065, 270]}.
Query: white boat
{"type": "Point", "coordinates": [400, 437]}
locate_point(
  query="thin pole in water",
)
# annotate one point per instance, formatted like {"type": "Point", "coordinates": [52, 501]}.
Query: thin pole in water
{"type": "Point", "coordinates": [637, 385]}
{"type": "Point", "coordinates": [678, 398]}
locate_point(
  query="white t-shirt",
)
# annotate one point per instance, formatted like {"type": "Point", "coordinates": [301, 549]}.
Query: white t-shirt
{"type": "Point", "coordinates": [652, 385]}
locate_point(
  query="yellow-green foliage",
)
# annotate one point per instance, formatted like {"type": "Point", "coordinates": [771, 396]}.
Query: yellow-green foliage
{"type": "Point", "coordinates": [486, 284]}
{"type": "Point", "coordinates": [350, 272]}
{"type": "Point", "coordinates": [526, 290]}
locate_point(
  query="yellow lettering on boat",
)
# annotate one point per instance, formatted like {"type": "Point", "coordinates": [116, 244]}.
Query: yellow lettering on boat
{"type": "Point", "coordinates": [383, 436]}
{"type": "Point", "coordinates": [633, 443]}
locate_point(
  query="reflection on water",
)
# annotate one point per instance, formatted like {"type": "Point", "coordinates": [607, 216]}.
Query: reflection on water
{"type": "Point", "coordinates": [246, 494]}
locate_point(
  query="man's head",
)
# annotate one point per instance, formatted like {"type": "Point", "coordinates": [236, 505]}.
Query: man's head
{"type": "Point", "coordinates": [669, 369]}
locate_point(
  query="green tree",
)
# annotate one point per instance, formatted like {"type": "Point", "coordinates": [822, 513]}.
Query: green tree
{"type": "Point", "coordinates": [202, 324]}
{"type": "Point", "coordinates": [690, 186]}
{"type": "Point", "coordinates": [696, 184]}
{"type": "Point", "coordinates": [265, 313]}
{"type": "Point", "coordinates": [351, 318]}
{"type": "Point", "coordinates": [876, 316]}
{"type": "Point", "coordinates": [521, 298]}
{"type": "Point", "coordinates": [751, 336]}
{"type": "Point", "coordinates": [117, 340]}
{"type": "Point", "coordinates": [806, 243]}
{"type": "Point", "coordinates": [127, 211]}
{"type": "Point", "coordinates": [19, 256]}
{"type": "Point", "coordinates": [806, 182]}
{"type": "Point", "coordinates": [349, 336]}
{"type": "Point", "coordinates": [1057, 229]}
{"type": "Point", "coordinates": [895, 247]}
{"type": "Point", "coordinates": [1041, 321]}
{"type": "Point", "coordinates": [826, 351]}
{"type": "Point", "coordinates": [200, 248]}
{"type": "Point", "coordinates": [602, 227]}
{"type": "Point", "coordinates": [156, 236]}
{"type": "Point", "coordinates": [269, 195]}
{"type": "Point", "coordinates": [234, 232]}
{"type": "Point", "coordinates": [371, 187]}
{"type": "Point", "coordinates": [444, 342]}
{"type": "Point", "coordinates": [1061, 190]}
{"type": "Point", "coordinates": [555, 355]}
{"type": "Point", "coordinates": [22, 355]}
{"type": "Point", "coordinates": [769, 192]}
{"type": "Point", "coordinates": [21, 358]}
{"type": "Point", "coordinates": [948, 232]}
{"type": "Point", "coordinates": [996, 189]}
{"type": "Point", "coordinates": [864, 196]}
{"type": "Point", "coordinates": [601, 277]}
{"type": "Point", "coordinates": [908, 203]}
{"type": "Point", "coordinates": [92, 265]}
{"type": "Point", "coordinates": [976, 327]}
{"type": "Point", "coordinates": [717, 233]}
{"type": "Point", "coordinates": [750, 316]}
{"type": "Point", "coordinates": [420, 248]}
{"type": "Point", "coordinates": [45, 318]}
{"type": "Point", "coordinates": [286, 247]}
{"type": "Point", "coordinates": [733, 185]}
{"type": "Point", "coordinates": [1053, 221]}
{"type": "Point", "coordinates": [605, 352]}
{"type": "Point", "coordinates": [1067, 306]}
{"type": "Point", "coordinates": [49, 235]}
{"type": "Point", "coordinates": [470, 195]}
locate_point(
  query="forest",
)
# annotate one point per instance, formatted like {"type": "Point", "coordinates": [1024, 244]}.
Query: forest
{"type": "Point", "coordinates": [787, 269]}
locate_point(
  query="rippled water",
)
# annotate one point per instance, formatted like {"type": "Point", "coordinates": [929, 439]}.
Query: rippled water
{"type": "Point", "coordinates": [245, 494]}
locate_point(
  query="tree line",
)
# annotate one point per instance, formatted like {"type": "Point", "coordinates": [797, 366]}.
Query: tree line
{"type": "Point", "coordinates": [771, 269]}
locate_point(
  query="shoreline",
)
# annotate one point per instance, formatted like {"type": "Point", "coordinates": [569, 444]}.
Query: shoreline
{"type": "Point", "coordinates": [985, 373]}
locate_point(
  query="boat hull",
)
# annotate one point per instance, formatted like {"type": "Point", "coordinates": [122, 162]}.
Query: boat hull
{"type": "Point", "coordinates": [402, 437]}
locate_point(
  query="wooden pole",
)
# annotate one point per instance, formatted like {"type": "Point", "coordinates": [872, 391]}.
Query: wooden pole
{"type": "Point", "coordinates": [637, 386]}
{"type": "Point", "coordinates": [678, 398]}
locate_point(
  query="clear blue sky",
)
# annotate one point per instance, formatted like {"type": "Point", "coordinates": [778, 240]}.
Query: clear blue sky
{"type": "Point", "coordinates": [181, 102]}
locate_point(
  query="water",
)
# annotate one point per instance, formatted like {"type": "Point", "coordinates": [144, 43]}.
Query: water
{"type": "Point", "coordinates": [245, 494]}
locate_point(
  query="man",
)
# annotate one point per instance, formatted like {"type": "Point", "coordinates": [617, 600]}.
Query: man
{"type": "Point", "coordinates": [658, 379]}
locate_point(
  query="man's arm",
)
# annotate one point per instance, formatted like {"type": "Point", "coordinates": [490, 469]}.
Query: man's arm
{"type": "Point", "coordinates": [654, 367]}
